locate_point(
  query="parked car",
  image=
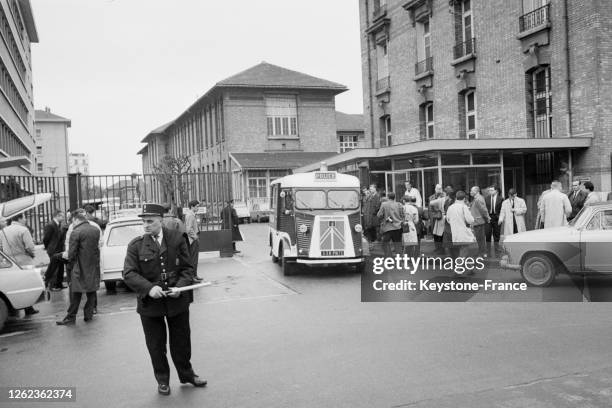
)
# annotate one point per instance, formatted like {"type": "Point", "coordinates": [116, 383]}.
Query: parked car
{"type": "Point", "coordinates": [20, 286]}
{"type": "Point", "coordinates": [242, 210]}
{"type": "Point", "coordinates": [118, 234]}
{"type": "Point", "coordinates": [260, 212]}
{"type": "Point", "coordinates": [124, 212]}
{"type": "Point", "coordinates": [582, 247]}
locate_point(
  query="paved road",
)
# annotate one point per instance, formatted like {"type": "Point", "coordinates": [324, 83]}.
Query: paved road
{"type": "Point", "coordinates": [264, 340]}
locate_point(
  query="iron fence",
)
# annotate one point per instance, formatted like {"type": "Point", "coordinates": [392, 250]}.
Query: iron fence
{"type": "Point", "coordinates": [465, 48]}
{"type": "Point", "coordinates": [423, 66]}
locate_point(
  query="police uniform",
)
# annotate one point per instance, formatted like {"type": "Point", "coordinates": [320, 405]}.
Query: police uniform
{"type": "Point", "coordinates": [166, 264]}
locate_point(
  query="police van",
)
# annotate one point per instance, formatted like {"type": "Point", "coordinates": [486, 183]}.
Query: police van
{"type": "Point", "coordinates": [315, 220]}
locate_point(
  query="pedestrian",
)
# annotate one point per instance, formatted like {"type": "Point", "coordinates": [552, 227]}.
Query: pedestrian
{"type": "Point", "coordinates": [577, 197]}
{"type": "Point", "coordinates": [370, 208]}
{"type": "Point", "coordinates": [155, 263]}
{"type": "Point", "coordinates": [555, 207]}
{"type": "Point", "coordinates": [492, 231]}
{"type": "Point", "coordinates": [54, 245]}
{"type": "Point", "coordinates": [410, 237]}
{"type": "Point", "coordinates": [479, 211]}
{"type": "Point", "coordinates": [459, 216]}
{"type": "Point", "coordinates": [447, 236]}
{"type": "Point", "coordinates": [230, 220]}
{"type": "Point", "coordinates": [84, 258]}
{"type": "Point", "coordinates": [413, 192]}
{"type": "Point", "coordinates": [513, 208]}
{"type": "Point", "coordinates": [193, 236]}
{"type": "Point", "coordinates": [391, 215]}
{"type": "Point", "coordinates": [171, 221]}
{"type": "Point", "coordinates": [592, 196]}
{"type": "Point", "coordinates": [90, 211]}
{"type": "Point", "coordinates": [436, 215]}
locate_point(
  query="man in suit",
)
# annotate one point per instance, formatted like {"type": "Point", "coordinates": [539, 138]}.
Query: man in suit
{"type": "Point", "coordinates": [230, 220]}
{"type": "Point", "coordinates": [54, 245]}
{"type": "Point", "coordinates": [577, 197]}
{"type": "Point", "coordinates": [157, 262]}
{"type": "Point", "coordinates": [479, 211]}
{"type": "Point", "coordinates": [193, 235]}
{"type": "Point", "coordinates": [391, 214]}
{"type": "Point", "coordinates": [84, 258]}
{"type": "Point", "coordinates": [494, 203]}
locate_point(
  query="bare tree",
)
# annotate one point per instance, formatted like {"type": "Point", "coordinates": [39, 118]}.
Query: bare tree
{"type": "Point", "coordinates": [169, 172]}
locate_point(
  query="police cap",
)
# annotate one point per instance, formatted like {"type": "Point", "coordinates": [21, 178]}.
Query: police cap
{"type": "Point", "coordinates": [152, 209]}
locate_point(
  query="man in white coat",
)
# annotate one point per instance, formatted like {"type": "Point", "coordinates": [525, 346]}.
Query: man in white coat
{"type": "Point", "coordinates": [513, 214]}
{"type": "Point", "coordinates": [556, 207]}
{"type": "Point", "coordinates": [459, 216]}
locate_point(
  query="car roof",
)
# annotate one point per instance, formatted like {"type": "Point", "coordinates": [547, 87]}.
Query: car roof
{"type": "Point", "coordinates": [125, 220]}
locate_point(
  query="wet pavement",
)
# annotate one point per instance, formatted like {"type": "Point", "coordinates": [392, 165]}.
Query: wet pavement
{"type": "Point", "coordinates": [265, 340]}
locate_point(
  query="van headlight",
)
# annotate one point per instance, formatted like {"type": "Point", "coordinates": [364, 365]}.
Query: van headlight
{"type": "Point", "coordinates": [303, 228]}
{"type": "Point", "coordinates": [358, 228]}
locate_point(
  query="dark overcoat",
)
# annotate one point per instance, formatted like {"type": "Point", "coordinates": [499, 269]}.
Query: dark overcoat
{"type": "Point", "coordinates": [230, 220]}
{"type": "Point", "coordinates": [52, 238]}
{"type": "Point", "coordinates": [145, 265]}
{"type": "Point", "coordinates": [84, 258]}
{"type": "Point", "coordinates": [371, 205]}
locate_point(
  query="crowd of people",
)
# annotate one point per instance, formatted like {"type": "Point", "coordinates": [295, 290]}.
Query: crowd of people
{"type": "Point", "coordinates": [455, 219]}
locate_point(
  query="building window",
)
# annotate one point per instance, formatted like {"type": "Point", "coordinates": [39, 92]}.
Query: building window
{"type": "Point", "coordinates": [386, 138]}
{"type": "Point", "coordinates": [465, 41]}
{"type": "Point", "coordinates": [39, 167]}
{"type": "Point", "coordinates": [535, 14]}
{"type": "Point", "coordinates": [281, 113]}
{"type": "Point", "coordinates": [382, 64]}
{"type": "Point", "coordinates": [427, 121]}
{"type": "Point", "coordinates": [38, 149]}
{"type": "Point", "coordinates": [425, 60]}
{"type": "Point", "coordinates": [470, 115]}
{"type": "Point", "coordinates": [258, 184]}
{"type": "Point", "coordinates": [38, 133]}
{"type": "Point", "coordinates": [347, 142]}
{"type": "Point", "coordinates": [542, 102]}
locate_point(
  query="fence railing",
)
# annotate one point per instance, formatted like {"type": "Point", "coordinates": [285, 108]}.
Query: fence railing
{"type": "Point", "coordinates": [382, 84]}
{"type": "Point", "coordinates": [423, 66]}
{"type": "Point", "coordinates": [465, 48]}
{"type": "Point", "coordinates": [534, 18]}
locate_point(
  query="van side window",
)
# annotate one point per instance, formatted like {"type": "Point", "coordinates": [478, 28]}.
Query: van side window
{"type": "Point", "coordinates": [274, 197]}
{"type": "Point", "coordinates": [288, 201]}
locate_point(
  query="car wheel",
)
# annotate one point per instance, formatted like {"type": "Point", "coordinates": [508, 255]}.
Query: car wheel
{"type": "Point", "coordinates": [288, 268]}
{"type": "Point", "coordinates": [538, 270]}
{"type": "Point", "coordinates": [3, 313]}
{"type": "Point", "coordinates": [111, 286]}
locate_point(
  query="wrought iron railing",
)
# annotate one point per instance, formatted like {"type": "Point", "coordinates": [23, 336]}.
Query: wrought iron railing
{"type": "Point", "coordinates": [465, 48]}
{"type": "Point", "coordinates": [423, 66]}
{"type": "Point", "coordinates": [534, 18]}
{"type": "Point", "coordinates": [383, 84]}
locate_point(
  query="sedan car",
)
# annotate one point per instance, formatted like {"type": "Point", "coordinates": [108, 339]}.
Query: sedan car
{"type": "Point", "coordinates": [581, 247]}
{"type": "Point", "coordinates": [118, 234]}
{"type": "Point", "coordinates": [20, 286]}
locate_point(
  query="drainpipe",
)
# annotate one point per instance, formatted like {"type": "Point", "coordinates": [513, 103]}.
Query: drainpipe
{"type": "Point", "coordinates": [369, 51]}
{"type": "Point", "coordinates": [568, 82]}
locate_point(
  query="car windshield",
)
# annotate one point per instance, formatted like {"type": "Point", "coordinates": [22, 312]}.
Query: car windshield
{"type": "Point", "coordinates": [344, 199]}
{"type": "Point", "coordinates": [121, 235]}
{"type": "Point", "coordinates": [310, 199]}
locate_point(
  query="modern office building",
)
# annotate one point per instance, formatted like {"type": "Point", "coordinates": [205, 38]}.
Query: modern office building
{"type": "Point", "coordinates": [257, 125]}
{"type": "Point", "coordinates": [514, 93]}
{"type": "Point", "coordinates": [18, 32]}
{"type": "Point", "coordinates": [51, 137]}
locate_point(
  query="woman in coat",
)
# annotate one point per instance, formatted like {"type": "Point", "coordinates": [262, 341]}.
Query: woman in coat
{"type": "Point", "coordinates": [512, 214]}
{"type": "Point", "coordinates": [436, 215]}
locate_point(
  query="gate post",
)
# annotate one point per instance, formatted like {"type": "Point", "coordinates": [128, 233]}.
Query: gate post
{"type": "Point", "coordinates": [75, 198]}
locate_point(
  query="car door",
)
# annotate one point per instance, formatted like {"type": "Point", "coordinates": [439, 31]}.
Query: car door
{"type": "Point", "coordinates": [595, 239]}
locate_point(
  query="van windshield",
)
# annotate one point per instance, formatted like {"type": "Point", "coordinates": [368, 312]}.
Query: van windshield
{"type": "Point", "coordinates": [343, 199]}
{"type": "Point", "coordinates": [310, 199]}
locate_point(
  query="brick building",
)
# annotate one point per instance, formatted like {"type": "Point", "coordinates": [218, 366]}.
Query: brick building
{"type": "Point", "coordinates": [18, 31]}
{"type": "Point", "coordinates": [508, 92]}
{"type": "Point", "coordinates": [256, 125]}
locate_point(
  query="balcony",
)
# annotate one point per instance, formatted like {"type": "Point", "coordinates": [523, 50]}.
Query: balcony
{"type": "Point", "coordinates": [424, 67]}
{"type": "Point", "coordinates": [535, 19]}
{"type": "Point", "coordinates": [383, 85]}
{"type": "Point", "coordinates": [379, 12]}
{"type": "Point", "coordinates": [465, 49]}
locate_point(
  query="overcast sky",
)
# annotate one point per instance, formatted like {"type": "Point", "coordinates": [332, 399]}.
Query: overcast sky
{"type": "Point", "coordinates": [120, 68]}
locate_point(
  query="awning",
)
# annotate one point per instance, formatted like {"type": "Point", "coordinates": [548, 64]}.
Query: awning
{"type": "Point", "coordinates": [531, 145]}
{"type": "Point", "coordinates": [277, 160]}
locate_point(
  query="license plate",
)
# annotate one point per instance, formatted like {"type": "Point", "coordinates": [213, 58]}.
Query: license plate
{"type": "Point", "coordinates": [332, 253]}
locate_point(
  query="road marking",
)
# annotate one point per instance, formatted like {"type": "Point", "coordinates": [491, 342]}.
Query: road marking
{"type": "Point", "coordinates": [17, 333]}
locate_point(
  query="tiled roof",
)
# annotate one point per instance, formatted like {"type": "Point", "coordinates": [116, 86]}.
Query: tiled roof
{"type": "Point", "coordinates": [157, 131]}
{"type": "Point", "coordinates": [278, 160]}
{"type": "Point", "coordinates": [266, 75]}
{"type": "Point", "coordinates": [346, 122]}
{"type": "Point", "coordinates": [44, 116]}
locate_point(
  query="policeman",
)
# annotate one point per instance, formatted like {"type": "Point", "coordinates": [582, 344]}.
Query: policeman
{"type": "Point", "coordinates": [157, 262]}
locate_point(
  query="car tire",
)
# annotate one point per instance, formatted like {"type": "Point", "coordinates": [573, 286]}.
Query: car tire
{"type": "Point", "coordinates": [288, 268]}
{"type": "Point", "coordinates": [538, 270]}
{"type": "Point", "coordinates": [111, 286]}
{"type": "Point", "coordinates": [3, 313]}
